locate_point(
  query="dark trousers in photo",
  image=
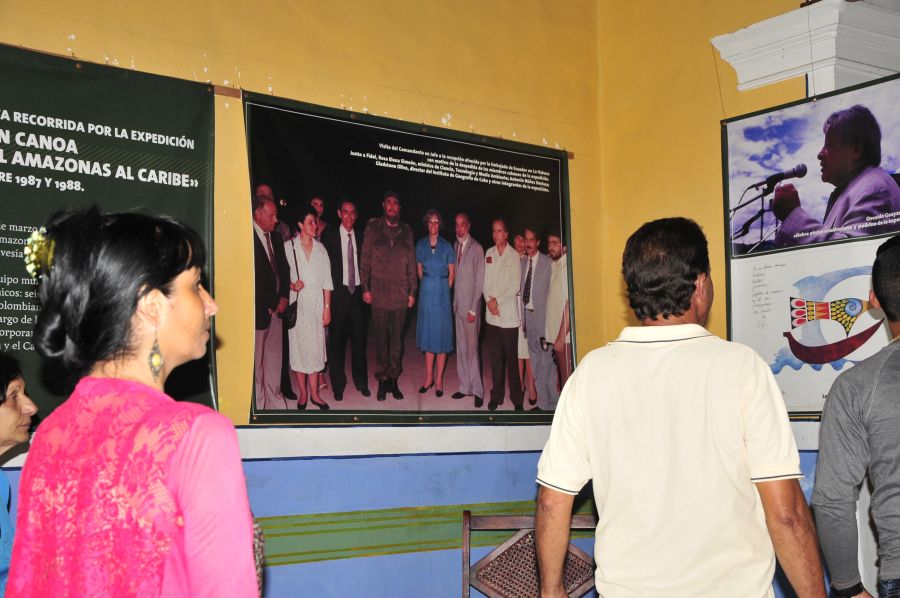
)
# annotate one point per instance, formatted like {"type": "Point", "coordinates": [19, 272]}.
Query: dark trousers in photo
{"type": "Point", "coordinates": [387, 327]}
{"type": "Point", "coordinates": [348, 322]}
{"type": "Point", "coordinates": [502, 350]}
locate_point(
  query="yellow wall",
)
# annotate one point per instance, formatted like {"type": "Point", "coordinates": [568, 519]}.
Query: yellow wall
{"type": "Point", "coordinates": [663, 91]}
{"type": "Point", "coordinates": [639, 80]}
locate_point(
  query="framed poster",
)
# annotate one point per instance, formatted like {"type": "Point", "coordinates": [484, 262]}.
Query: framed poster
{"type": "Point", "coordinates": [413, 299]}
{"type": "Point", "coordinates": [75, 134]}
{"type": "Point", "coordinates": [811, 191]}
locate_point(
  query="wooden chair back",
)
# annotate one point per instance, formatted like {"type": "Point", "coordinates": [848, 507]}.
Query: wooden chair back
{"type": "Point", "coordinates": [510, 570]}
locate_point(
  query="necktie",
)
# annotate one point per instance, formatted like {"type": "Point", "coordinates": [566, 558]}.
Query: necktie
{"type": "Point", "coordinates": [459, 247]}
{"type": "Point", "coordinates": [351, 267]}
{"type": "Point", "coordinates": [271, 253]}
{"type": "Point", "coordinates": [526, 296]}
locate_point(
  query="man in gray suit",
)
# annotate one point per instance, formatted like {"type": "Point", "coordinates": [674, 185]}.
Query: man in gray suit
{"type": "Point", "coordinates": [468, 287]}
{"type": "Point", "coordinates": [534, 290]}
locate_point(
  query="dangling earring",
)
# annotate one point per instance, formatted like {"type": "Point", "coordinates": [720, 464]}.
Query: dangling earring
{"type": "Point", "coordinates": [155, 359]}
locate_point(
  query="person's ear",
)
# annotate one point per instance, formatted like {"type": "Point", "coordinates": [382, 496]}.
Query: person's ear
{"type": "Point", "coordinates": [151, 308]}
{"type": "Point", "coordinates": [700, 287]}
{"type": "Point", "coordinates": [874, 300]}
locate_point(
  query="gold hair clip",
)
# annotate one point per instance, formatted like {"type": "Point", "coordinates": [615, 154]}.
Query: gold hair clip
{"type": "Point", "coordinates": [38, 253]}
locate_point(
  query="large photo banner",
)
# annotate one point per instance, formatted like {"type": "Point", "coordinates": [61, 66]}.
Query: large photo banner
{"type": "Point", "coordinates": [811, 192]}
{"type": "Point", "coordinates": [404, 274]}
{"type": "Point", "coordinates": [75, 134]}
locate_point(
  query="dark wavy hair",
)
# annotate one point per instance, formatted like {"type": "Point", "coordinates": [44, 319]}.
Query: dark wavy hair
{"type": "Point", "coordinates": [661, 263]}
{"type": "Point", "coordinates": [886, 277]}
{"type": "Point", "coordinates": [297, 214]}
{"type": "Point", "coordinates": [9, 371]}
{"type": "Point", "coordinates": [857, 126]}
{"type": "Point", "coordinates": [102, 265]}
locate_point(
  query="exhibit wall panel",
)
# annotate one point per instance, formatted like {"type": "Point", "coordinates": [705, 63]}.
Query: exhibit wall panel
{"type": "Point", "coordinates": [522, 71]}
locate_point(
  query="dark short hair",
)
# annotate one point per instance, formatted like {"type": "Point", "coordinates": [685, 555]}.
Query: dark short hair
{"type": "Point", "coordinates": [857, 126]}
{"type": "Point", "coordinates": [538, 234]}
{"type": "Point", "coordinates": [103, 264]}
{"type": "Point", "coordinates": [258, 201]}
{"type": "Point", "coordinates": [554, 232]}
{"type": "Point", "coordinates": [502, 221]}
{"type": "Point", "coordinates": [432, 212]}
{"type": "Point", "coordinates": [661, 263]}
{"type": "Point", "coordinates": [390, 193]}
{"type": "Point", "coordinates": [297, 215]}
{"type": "Point", "coordinates": [9, 371]}
{"type": "Point", "coordinates": [886, 277]}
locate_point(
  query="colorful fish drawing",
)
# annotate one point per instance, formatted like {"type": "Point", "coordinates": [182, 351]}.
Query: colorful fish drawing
{"type": "Point", "coordinates": [843, 311]}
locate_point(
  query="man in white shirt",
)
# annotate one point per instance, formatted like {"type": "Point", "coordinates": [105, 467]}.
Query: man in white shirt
{"type": "Point", "coordinates": [502, 273]}
{"type": "Point", "coordinates": [687, 442]}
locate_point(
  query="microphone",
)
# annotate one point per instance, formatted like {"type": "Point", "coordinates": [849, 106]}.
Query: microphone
{"type": "Point", "coordinates": [798, 171]}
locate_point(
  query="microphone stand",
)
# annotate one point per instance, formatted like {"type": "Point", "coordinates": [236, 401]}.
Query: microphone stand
{"type": "Point", "coordinates": [768, 185]}
{"type": "Point", "coordinates": [762, 209]}
{"type": "Point", "coordinates": [769, 234]}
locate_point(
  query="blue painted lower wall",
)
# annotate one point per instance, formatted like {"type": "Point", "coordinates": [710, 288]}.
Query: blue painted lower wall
{"type": "Point", "coordinates": [308, 486]}
{"type": "Point", "coordinates": [327, 485]}
{"type": "Point", "coordinates": [292, 486]}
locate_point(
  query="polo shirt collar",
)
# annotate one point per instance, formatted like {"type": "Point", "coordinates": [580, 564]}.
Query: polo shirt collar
{"type": "Point", "coordinates": [655, 334]}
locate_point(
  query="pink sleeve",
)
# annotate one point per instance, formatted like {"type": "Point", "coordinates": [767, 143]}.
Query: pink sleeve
{"type": "Point", "coordinates": [209, 484]}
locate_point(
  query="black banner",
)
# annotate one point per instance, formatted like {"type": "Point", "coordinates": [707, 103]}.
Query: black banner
{"type": "Point", "coordinates": [75, 134]}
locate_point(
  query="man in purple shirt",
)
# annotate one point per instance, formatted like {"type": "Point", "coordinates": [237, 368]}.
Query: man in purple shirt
{"type": "Point", "coordinates": [865, 200]}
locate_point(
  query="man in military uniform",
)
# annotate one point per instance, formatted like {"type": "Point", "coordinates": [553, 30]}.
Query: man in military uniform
{"type": "Point", "coordinates": [387, 272]}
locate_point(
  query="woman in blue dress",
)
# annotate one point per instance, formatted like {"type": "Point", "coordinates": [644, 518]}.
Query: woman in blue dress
{"type": "Point", "coordinates": [436, 264]}
{"type": "Point", "coordinates": [16, 411]}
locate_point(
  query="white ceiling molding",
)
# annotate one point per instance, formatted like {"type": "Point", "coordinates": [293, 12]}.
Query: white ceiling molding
{"type": "Point", "coordinates": [837, 43]}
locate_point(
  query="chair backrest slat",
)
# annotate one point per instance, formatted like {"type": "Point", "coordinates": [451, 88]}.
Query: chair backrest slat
{"type": "Point", "coordinates": [513, 522]}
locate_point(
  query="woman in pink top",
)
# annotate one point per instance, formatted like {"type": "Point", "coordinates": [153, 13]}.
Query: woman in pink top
{"type": "Point", "coordinates": [126, 492]}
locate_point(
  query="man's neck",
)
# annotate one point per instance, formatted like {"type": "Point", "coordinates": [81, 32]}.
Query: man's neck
{"type": "Point", "coordinates": [850, 176]}
{"type": "Point", "coordinates": [688, 317]}
{"type": "Point", "coordinates": [894, 327]}
{"type": "Point", "coordinates": [349, 229]}
{"type": "Point", "coordinates": [501, 248]}
{"type": "Point", "coordinates": [462, 240]}
{"type": "Point", "coordinates": [391, 220]}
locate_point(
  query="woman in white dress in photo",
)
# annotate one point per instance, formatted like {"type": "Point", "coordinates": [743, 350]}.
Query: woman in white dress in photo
{"type": "Point", "coordinates": [311, 288]}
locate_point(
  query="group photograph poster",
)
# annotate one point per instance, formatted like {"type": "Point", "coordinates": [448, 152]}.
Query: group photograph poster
{"type": "Point", "coordinates": [404, 274]}
{"type": "Point", "coordinates": [811, 192]}
{"type": "Point", "coordinates": [74, 135]}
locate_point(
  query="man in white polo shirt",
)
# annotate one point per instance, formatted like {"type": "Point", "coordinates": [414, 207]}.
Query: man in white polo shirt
{"type": "Point", "coordinates": [687, 442]}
